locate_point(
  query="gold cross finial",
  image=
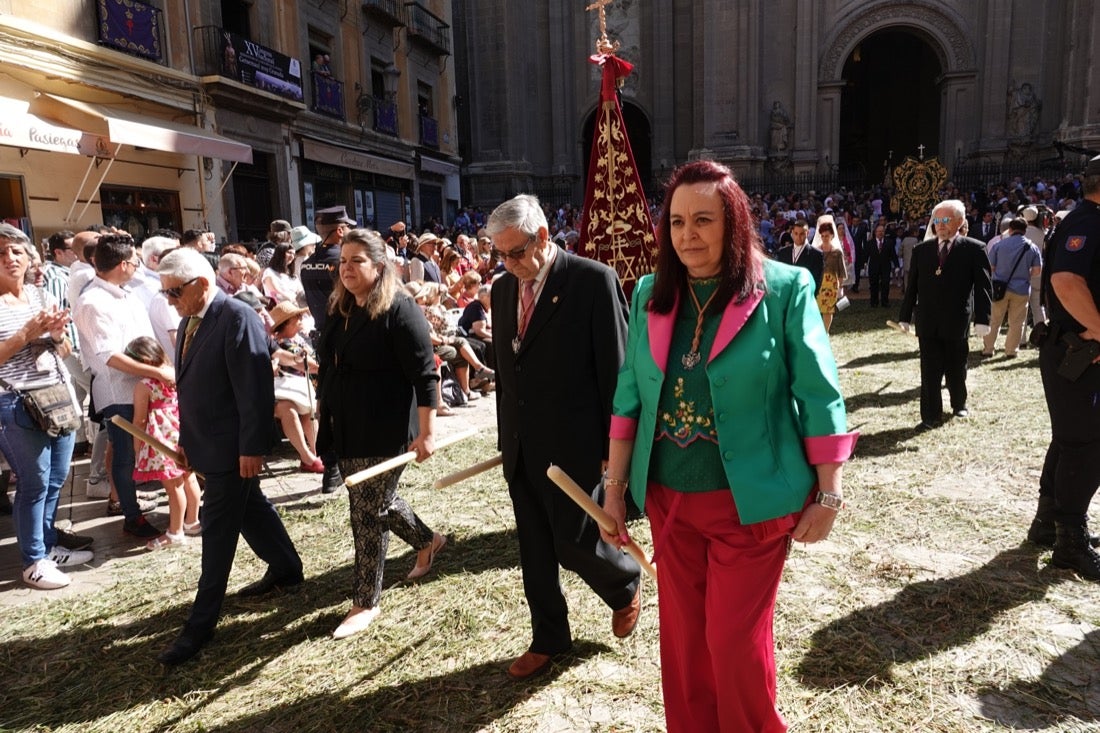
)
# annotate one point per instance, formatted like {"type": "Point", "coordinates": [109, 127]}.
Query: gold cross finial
{"type": "Point", "coordinates": [603, 43]}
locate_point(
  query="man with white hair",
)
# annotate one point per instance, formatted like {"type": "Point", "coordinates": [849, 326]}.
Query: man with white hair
{"type": "Point", "coordinates": [161, 315]}
{"type": "Point", "coordinates": [947, 270]}
{"type": "Point", "coordinates": [226, 400]}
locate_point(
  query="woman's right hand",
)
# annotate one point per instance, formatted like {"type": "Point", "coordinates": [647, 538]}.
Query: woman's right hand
{"type": "Point", "coordinates": [614, 504]}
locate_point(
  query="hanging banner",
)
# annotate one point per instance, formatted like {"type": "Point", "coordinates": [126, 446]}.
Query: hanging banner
{"type": "Point", "coordinates": [258, 66]}
{"type": "Point", "coordinates": [616, 228]}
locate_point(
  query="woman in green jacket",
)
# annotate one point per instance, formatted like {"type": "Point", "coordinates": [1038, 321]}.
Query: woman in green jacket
{"type": "Point", "coordinates": [729, 427]}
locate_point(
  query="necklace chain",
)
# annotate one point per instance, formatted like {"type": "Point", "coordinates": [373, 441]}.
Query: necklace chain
{"type": "Point", "coordinates": [692, 358]}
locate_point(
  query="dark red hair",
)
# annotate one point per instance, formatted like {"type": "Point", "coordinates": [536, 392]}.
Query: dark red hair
{"type": "Point", "coordinates": [743, 253]}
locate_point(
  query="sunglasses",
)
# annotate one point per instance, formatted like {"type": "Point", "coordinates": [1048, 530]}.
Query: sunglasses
{"type": "Point", "coordinates": [176, 292]}
{"type": "Point", "coordinates": [514, 254]}
{"type": "Point", "coordinates": [942, 219]}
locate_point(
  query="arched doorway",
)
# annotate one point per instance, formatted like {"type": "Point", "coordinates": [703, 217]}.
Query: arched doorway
{"type": "Point", "coordinates": [890, 102]}
{"type": "Point", "coordinates": [641, 142]}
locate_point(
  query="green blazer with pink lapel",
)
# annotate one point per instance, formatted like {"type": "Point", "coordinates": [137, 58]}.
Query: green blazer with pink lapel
{"type": "Point", "coordinates": [773, 383]}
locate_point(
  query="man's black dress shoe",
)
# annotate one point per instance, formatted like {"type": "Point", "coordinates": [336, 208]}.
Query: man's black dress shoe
{"type": "Point", "coordinates": [271, 583]}
{"type": "Point", "coordinates": [183, 648]}
{"type": "Point", "coordinates": [332, 480]}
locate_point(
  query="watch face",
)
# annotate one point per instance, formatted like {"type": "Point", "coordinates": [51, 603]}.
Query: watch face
{"type": "Point", "coordinates": [831, 501]}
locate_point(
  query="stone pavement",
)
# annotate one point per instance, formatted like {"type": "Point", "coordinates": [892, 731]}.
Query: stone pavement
{"type": "Point", "coordinates": [281, 482]}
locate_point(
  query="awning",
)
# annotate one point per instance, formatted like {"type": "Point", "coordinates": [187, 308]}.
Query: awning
{"type": "Point", "coordinates": [124, 128]}
{"type": "Point", "coordinates": [25, 131]}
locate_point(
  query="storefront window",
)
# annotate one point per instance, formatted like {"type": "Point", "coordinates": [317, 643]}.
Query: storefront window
{"type": "Point", "coordinates": [140, 211]}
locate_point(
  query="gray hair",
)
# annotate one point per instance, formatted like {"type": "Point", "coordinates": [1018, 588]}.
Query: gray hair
{"type": "Point", "coordinates": [155, 247]}
{"type": "Point", "coordinates": [8, 233]}
{"type": "Point", "coordinates": [185, 264]}
{"type": "Point", "coordinates": [523, 213]}
{"type": "Point", "coordinates": [484, 290]}
{"type": "Point", "coordinates": [956, 206]}
{"type": "Point", "coordinates": [231, 260]}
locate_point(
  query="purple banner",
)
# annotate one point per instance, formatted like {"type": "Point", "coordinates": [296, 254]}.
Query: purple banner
{"type": "Point", "coordinates": [130, 26]}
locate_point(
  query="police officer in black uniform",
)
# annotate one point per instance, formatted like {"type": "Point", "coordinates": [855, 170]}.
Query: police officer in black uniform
{"type": "Point", "coordinates": [1071, 472]}
{"type": "Point", "coordinates": [318, 276]}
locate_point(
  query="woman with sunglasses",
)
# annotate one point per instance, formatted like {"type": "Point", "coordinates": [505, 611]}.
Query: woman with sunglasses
{"type": "Point", "coordinates": [33, 342]}
{"type": "Point", "coordinates": [835, 271]}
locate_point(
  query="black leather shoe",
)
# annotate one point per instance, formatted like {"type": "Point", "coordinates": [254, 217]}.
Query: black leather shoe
{"type": "Point", "coordinates": [271, 583]}
{"type": "Point", "coordinates": [183, 648]}
{"type": "Point", "coordinates": [1042, 532]}
{"type": "Point", "coordinates": [332, 480]}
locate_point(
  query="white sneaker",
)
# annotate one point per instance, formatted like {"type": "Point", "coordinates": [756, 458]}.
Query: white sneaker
{"type": "Point", "coordinates": [97, 489]}
{"type": "Point", "coordinates": [44, 575]}
{"type": "Point", "coordinates": [63, 558]}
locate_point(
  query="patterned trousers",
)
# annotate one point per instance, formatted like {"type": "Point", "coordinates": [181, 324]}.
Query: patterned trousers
{"type": "Point", "coordinates": [376, 510]}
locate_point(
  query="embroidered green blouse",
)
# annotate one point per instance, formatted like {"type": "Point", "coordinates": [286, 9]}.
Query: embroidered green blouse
{"type": "Point", "coordinates": [685, 448]}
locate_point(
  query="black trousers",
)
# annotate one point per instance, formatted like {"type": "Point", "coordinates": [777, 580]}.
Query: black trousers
{"type": "Point", "coordinates": [554, 531]}
{"type": "Point", "coordinates": [941, 360]}
{"type": "Point", "coordinates": [1071, 471]}
{"type": "Point", "coordinates": [879, 285]}
{"type": "Point", "coordinates": [235, 507]}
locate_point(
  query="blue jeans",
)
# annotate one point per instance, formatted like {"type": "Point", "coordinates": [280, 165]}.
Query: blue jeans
{"type": "Point", "coordinates": [41, 464]}
{"type": "Point", "coordinates": [122, 460]}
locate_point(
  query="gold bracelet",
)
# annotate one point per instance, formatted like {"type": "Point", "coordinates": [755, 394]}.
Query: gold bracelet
{"type": "Point", "coordinates": [608, 481]}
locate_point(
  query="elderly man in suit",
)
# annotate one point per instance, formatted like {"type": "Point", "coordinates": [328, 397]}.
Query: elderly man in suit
{"type": "Point", "coordinates": [802, 254]}
{"type": "Point", "coordinates": [559, 334]}
{"type": "Point", "coordinates": [226, 399]}
{"type": "Point", "coordinates": [947, 270]}
{"type": "Point", "coordinates": [881, 258]}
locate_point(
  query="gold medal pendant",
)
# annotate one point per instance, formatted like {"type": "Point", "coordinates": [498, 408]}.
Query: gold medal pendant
{"type": "Point", "coordinates": [939, 271]}
{"type": "Point", "coordinates": [690, 360]}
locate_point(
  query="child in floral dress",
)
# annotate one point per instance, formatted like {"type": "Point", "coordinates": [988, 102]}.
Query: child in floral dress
{"type": "Point", "coordinates": [156, 411]}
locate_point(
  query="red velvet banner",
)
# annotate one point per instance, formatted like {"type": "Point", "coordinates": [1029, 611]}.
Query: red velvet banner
{"type": "Point", "coordinates": [616, 228]}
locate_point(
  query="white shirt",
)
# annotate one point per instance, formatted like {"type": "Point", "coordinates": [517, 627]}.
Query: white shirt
{"type": "Point", "coordinates": [165, 320]}
{"type": "Point", "coordinates": [80, 274]}
{"type": "Point", "coordinates": [107, 319]}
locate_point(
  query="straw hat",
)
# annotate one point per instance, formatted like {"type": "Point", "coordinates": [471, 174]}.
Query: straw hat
{"type": "Point", "coordinates": [283, 312]}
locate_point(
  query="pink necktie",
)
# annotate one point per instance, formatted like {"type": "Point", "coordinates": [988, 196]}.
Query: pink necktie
{"type": "Point", "coordinates": [527, 304]}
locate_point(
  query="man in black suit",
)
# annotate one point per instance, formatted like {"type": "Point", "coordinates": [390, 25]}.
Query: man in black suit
{"type": "Point", "coordinates": [802, 254]}
{"type": "Point", "coordinates": [559, 335]}
{"type": "Point", "coordinates": [946, 271]}
{"type": "Point", "coordinates": [881, 259]}
{"type": "Point", "coordinates": [985, 229]}
{"type": "Point", "coordinates": [226, 400]}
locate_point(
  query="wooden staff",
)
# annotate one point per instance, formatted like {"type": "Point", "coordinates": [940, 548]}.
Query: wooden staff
{"type": "Point", "coordinates": [453, 478]}
{"type": "Point", "coordinates": [398, 461]}
{"type": "Point", "coordinates": [897, 327]}
{"type": "Point", "coordinates": [594, 510]}
{"type": "Point", "coordinates": [154, 443]}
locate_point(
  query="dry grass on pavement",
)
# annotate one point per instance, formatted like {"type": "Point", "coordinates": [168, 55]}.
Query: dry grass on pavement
{"type": "Point", "coordinates": [923, 611]}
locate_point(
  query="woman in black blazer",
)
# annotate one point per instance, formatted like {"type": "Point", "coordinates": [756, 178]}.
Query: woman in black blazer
{"type": "Point", "coordinates": [377, 394]}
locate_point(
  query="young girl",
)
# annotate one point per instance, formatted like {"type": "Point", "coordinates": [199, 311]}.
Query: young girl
{"type": "Point", "coordinates": [157, 413]}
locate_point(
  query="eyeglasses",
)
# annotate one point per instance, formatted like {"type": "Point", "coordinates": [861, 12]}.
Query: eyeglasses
{"type": "Point", "coordinates": [514, 254]}
{"type": "Point", "coordinates": [177, 291]}
{"type": "Point", "coordinates": [942, 219]}
{"type": "Point", "coordinates": [132, 263]}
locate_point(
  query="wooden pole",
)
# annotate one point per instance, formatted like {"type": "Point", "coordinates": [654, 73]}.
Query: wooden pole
{"type": "Point", "coordinates": [153, 443]}
{"type": "Point", "coordinates": [401, 460]}
{"type": "Point", "coordinates": [457, 476]}
{"type": "Point", "coordinates": [594, 510]}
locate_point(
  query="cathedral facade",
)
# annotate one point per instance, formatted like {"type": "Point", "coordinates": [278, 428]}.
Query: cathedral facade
{"type": "Point", "coordinates": [776, 88]}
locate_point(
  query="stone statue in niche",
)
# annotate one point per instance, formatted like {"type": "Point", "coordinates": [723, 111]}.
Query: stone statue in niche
{"type": "Point", "coordinates": [1023, 112]}
{"type": "Point", "coordinates": [779, 131]}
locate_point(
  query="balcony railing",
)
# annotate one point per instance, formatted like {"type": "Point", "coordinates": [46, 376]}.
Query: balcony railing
{"type": "Point", "coordinates": [378, 112]}
{"type": "Point", "coordinates": [223, 53]}
{"type": "Point", "coordinates": [328, 95]}
{"type": "Point", "coordinates": [427, 28]}
{"type": "Point", "coordinates": [131, 26]}
{"type": "Point", "coordinates": [388, 11]}
{"type": "Point", "coordinates": [429, 131]}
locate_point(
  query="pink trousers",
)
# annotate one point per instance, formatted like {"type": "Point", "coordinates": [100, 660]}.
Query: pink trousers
{"type": "Point", "coordinates": [717, 582]}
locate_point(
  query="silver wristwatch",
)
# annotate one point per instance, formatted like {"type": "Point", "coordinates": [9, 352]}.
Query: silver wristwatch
{"type": "Point", "coordinates": [829, 501]}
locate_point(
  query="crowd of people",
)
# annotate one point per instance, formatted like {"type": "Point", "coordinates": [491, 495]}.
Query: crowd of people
{"type": "Point", "coordinates": [354, 341]}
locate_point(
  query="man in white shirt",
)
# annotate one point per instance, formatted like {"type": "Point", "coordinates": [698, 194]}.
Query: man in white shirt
{"type": "Point", "coordinates": [108, 318]}
{"type": "Point", "coordinates": [146, 286]}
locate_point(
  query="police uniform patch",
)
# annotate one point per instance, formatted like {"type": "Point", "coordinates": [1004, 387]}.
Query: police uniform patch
{"type": "Point", "coordinates": [1073, 244]}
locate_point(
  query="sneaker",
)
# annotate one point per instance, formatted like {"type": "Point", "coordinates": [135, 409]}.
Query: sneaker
{"type": "Point", "coordinates": [73, 541]}
{"type": "Point", "coordinates": [44, 575]}
{"type": "Point", "coordinates": [114, 508]}
{"type": "Point", "coordinates": [97, 488]}
{"type": "Point", "coordinates": [63, 558]}
{"type": "Point", "coordinates": [140, 527]}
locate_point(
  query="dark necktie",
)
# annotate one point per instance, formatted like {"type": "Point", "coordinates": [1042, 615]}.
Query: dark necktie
{"type": "Point", "coordinates": [944, 249]}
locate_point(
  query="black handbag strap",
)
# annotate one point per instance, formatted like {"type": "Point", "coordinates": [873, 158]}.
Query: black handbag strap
{"type": "Point", "coordinates": [1019, 257]}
